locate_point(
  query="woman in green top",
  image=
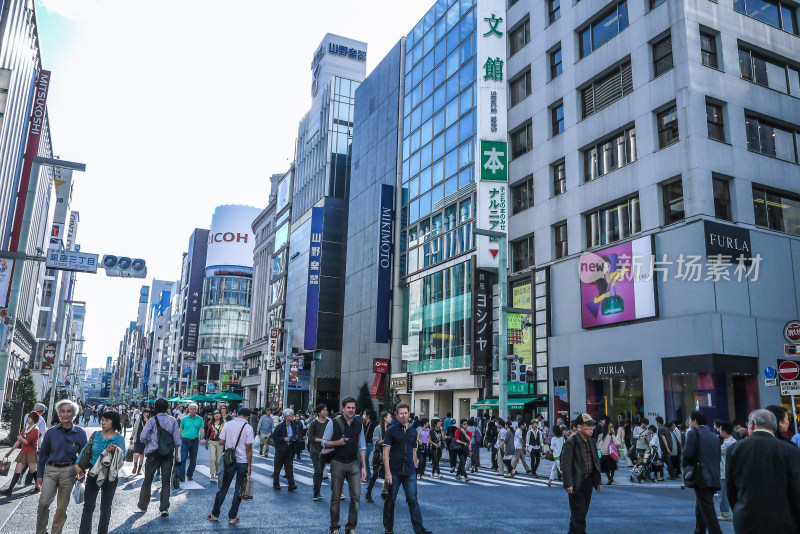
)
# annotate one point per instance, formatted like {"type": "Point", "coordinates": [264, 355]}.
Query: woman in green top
{"type": "Point", "coordinates": [107, 439]}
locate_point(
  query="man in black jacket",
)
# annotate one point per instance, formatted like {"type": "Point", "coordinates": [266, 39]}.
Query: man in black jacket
{"type": "Point", "coordinates": [285, 436]}
{"type": "Point", "coordinates": [702, 452]}
{"type": "Point", "coordinates": [580, 467]}
{"type": "Point", "coordinates": [762, 477]}
{"type": "Point", "coordinates": [491, 438]}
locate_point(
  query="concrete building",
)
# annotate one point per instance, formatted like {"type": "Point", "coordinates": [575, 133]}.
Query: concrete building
{"type": "Point", "coordinates": [667, 128]}
{"type": "Point", "coordinates": [317, 243]}
{"type": "Point", "coordinates": [188, 308]}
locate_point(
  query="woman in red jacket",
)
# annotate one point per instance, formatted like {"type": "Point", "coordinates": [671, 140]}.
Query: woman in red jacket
{"type": "Point", "coordinates": [27, 440]}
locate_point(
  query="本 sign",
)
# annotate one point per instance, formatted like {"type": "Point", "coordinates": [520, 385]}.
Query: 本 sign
{"type": "Point", "coordinates": [69, 260]}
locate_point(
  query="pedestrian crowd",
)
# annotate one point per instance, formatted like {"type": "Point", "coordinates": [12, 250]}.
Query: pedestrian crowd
{"type": "Point", "coordinates": [755, 468]}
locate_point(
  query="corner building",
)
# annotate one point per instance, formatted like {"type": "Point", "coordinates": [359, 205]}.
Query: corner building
{"type": "Point", "coordinates": [655, 127]}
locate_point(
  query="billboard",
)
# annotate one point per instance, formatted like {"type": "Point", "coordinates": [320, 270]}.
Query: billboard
{"type": "Point", "coordinates": [231, 239]}
{"type": "Point", "coordinates": [521, 297]}
{"type": "Point", "coordinates": [617, 284]}
{"type": "Point", "coordinates": [193, 291]}
{"type": "Point", "coordinates": [385, 263]}
{"type": "Point", "coordinates": [49, 355]}
{"type": "Point", "coordinates": [481, 321]}
{"type": "Point", "coordinates": [491, 162]}
{"type": "Point", "coordinates": [314, 269]}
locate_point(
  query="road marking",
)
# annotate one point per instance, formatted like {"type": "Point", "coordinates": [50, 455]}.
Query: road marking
{"type": "Point", "coordinates": [298, 478]}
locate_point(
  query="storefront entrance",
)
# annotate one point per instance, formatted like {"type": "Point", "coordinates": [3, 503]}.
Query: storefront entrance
{"type": "Point", "coordinates": [615, 389]}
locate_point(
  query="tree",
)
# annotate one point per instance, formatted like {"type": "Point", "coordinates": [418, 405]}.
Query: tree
{"type": "Point", "coordinates": [393, 400]}
{"type": "Point", "coordinates": [24, 394]}
{"type": "Point", "coordinates": [364, 400]}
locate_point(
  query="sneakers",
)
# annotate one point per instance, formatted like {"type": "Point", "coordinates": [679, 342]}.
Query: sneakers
{"type": "Point", "coordinates": [211, 517]}
{"type": "Point", "coordinates": [233, 521]}
{"type": "Point", "coordinates": [190, 478]}
{"type": "Point", "coordinates": [725, 517]}
{"type": "Point", "coordinates": [165, 513]}
{"type": "Point", "coordinates": [140, 510]}
{"type": "Point", "coordinates": [292, 488]}
{"type": "Point", "coordinates": [458, 477]}
{"type": "Point", "coordinates": [316, 498]}
{"type": "Point", "coordinates": [276, 488]}
{"type": "Point", "coordinates": [342, 498]}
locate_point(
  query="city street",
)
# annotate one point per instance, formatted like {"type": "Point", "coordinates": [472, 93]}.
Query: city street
{"type": "Point", "coordinates": [486, 504]}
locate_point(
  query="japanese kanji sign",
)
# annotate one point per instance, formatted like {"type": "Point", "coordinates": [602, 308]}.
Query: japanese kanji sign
{"type": "Point", "coordinates": [494, 161]}
{"type": "Point", "coordinates": [69, 260]}
{"type": "Point", "coordinates": [481, 321]}
{"type": "Point", "coordinates": [314, 270]}
{"type": "Point", "coordinates": [272, 352]}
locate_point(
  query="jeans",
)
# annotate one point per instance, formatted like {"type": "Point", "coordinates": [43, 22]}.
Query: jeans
{"type": "Point", "coordinates": [462, 460]}
{"type": "Point", "coordinates": [188, 449]}
{"type": "Point", "coordinates": [422, 456]}
{"type": "Point", "coordinates": [283, 459]}
{"type": "Point", "coordinates": [154, 462]}
{"type": "Point", "coordinates": [370, 447]}
{"type": "Point", "coordinates": [318, 467]}
{"type": "Point", "coordinates": [55, 480]}
{"type": "Point", "coordinates": [705, 515]}
{"type": "Point", "coordinates": [240, 471]}
{"type": "Point", "coordinates": [579, 501]}
{"type": "Point", "coordinates": [724, 505]}
{"type": "Point", "coordinates": [494, 458]}
{"type": "Point", "coordinates": [106, 491]}
{"type": "Point", "coordinates": [350, 471]}
{"type": "Point", "coordinates": [436, 456]}
{"type": "Point", "coordinates": [409, 483]}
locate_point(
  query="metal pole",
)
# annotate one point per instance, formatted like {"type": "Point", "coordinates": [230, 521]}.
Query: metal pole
{"type": "Point", "coordinates": [287, 349]}
{"type": "Point", "coordinates": [502, 281]}
{"type": "Point", "coordinates": [57, 361]}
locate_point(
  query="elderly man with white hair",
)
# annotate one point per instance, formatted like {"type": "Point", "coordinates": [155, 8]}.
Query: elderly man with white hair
{"type": "Point", "coordinates": [285, 436]}
{"type": "Point", "coordinates": [191, 433]}
{"type": "Point", "coordinates": [56, 469]}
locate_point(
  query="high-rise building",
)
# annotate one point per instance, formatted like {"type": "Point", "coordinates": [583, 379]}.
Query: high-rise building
{"type": "Point", "coordinates": [317, 240]}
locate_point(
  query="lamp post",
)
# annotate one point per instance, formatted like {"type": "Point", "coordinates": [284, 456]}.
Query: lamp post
{"type": "Point", "coordinates": [502, 282]}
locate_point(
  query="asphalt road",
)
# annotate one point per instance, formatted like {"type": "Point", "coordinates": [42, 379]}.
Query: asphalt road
{"type": "Point", "coordinates": [487, 504]}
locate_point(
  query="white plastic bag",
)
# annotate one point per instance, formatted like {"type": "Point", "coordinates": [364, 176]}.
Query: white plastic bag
{"type": "Point", "coordinates": [77, 492]}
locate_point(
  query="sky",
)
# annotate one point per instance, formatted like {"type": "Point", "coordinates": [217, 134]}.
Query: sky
{"type": "Point", "coordinates": [177, 107]}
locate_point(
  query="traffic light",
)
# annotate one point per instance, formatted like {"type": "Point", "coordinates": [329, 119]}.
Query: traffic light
{"type": "Point", "coordinates": [517, 371]}
{"type": "Point", "coordinates": [124, 266]}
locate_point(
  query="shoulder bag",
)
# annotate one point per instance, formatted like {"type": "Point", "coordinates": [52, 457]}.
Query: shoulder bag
{"type": "Point", "coordinates": [229, 455]}
{"type": "Point", "coordinates": [327, 454]}
{"type": "Point", "coordinates": [85, 461]}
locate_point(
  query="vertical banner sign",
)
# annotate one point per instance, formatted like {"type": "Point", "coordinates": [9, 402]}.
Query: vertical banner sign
{"type": "Point", "coordinates": [38, 115]}
{"type": "Point", "coordinates": [312, 294]}
{"type": "Point", "coordinates": [49, 355]}
{"type": "Point", "coordinates": [491, 173]}
{"type": "Point", "coordinates": [481, 321]}
{"type": "Point", "coordinates": [195, 276]}
{"type": "Point", "coordinates": [385, 263]}
{"type": "Point", "coordinates": [521, 297]}
{"type": "Point", "coordinates": [272, 357]}
{"type": "Point", "coordinates": [63, 187]}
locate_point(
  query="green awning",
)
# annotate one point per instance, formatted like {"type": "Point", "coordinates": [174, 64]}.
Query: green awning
{"type": "Point", "coordinates": [227, 396]}
{"type": "Point", "coordinates": [513, 404]}
{"type": "Point", "coordinates": [200, 398]}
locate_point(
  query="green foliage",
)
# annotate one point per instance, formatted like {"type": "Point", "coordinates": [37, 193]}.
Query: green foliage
{"type": "Point", "coordinates": [393, 400]}
{"type": "Point", "coordinates": [24, 394]}
{"type": "Point", "coordinates": [364, 400]}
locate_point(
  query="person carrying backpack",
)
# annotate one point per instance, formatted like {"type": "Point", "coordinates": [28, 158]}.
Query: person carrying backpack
{"type": "Point", "coordinates": [162, 440]}
{"type": "Point", "coordinates": [475, 445]}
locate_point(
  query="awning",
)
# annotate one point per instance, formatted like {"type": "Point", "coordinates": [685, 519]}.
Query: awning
{"type": "Point", "coordinates": [227, 396]}
{"type": "Point", "coordinates": [378, 390]}
{"type": "Point", "coordinates": [513, 404]}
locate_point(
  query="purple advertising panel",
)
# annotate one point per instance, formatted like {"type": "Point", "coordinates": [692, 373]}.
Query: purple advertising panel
{"type": "Point", "coordinates": [312, 294]}
{"type": "Point", "coordinates": [617, 284]}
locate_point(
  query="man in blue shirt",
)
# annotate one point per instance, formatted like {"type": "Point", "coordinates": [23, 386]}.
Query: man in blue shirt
{"type": "Point", "coordinates": [56, 468]}
{"type": "Point", "coordinates": [400, 461]}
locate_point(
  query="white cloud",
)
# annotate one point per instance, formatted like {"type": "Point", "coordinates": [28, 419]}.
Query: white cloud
{"type": "Point", "coordinates": [177, 107]}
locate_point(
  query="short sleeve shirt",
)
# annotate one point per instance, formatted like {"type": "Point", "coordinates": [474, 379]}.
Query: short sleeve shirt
{"type": "Point", "coordinates": [190, 427]}
{"type": "Point", "coordinates": [230, 433]}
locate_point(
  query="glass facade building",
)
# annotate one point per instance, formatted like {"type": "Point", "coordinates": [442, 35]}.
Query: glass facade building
{"type": "Point", "coordinates": [438, 186]}
{"type": "Point", "coordinates": [225, 319]}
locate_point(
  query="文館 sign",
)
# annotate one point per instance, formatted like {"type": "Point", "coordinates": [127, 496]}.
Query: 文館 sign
{"type": "Point", "coordinates": [69, 260]}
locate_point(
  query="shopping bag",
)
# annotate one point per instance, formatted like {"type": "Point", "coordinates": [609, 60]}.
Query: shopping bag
{"type": "Point", "coordinates": [176, 482]}
{"type": "Point", "coordinates": [5, 464]}
{"type": "Point", "coordinates": [129, 455]}
{"type": "Point", "coordinates": [246, 489]}
{"type": "Point", "coordinates": [78, 491]}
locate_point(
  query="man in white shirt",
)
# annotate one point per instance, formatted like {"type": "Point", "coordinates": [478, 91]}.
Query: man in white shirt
{"type": "Point", "coordinates": [236, 434]}
{"type": "Point", "coordinates": [726, 432]}
{"type": "Point", "coordinates": [501, 436]}
{"type": "Point", "coordinates": [519, 449]}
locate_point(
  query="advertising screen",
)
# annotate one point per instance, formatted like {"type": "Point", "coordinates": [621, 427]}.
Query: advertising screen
{"type": "Point", "coordinates": [617, 284]}
{"type": "Point", "coordinates": [231, 239]}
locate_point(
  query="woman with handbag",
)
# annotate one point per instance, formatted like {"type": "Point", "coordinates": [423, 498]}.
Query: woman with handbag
{"type": "Point", "coordinates": [460, 447]}
{"type": "Point", "coordinates": [136, 443]}
{"type": "Point", "coordinates": [27, 441]}
{"type": "Point", "coordinates": [377, 456]}
{"type": "Point", "coordinates": [556, 445]}
{"type": "Point", "coordinates": [108, 443]}
{"type": "Point", "coordinates": [604, 441]}
{"type": "Point", "coordinates": [211, 433]}
{"type": "Point", "coordinates": [423, 435]}
{"type": "Point", "coordinates": [435, 442]}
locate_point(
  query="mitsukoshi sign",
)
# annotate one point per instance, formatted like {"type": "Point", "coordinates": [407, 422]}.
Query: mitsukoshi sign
{"type": "Point", "coordinates": [231, 239]}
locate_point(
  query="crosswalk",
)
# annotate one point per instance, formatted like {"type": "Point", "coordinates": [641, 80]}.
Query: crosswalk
{"type": "Point", "coordinates": [303, 474]}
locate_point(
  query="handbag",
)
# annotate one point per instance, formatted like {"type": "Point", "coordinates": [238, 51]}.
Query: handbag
{"type": "Point", "coordinates": [247, 488]}
{"type": "Point", "coordinates": [5, 464]}
{"type": "Point", "coordinates": [689, 472]}
{"type": "Point", "coordinates": [85, 461]}
{"type": "Point", "coordinates": [229, 455]}
{"type": "Point", "coordinates": [78, 491]}
{"type": "Point", "coordinates": [613, 452]}
{"type": "Point", "coordinates": [549, 456]}
{"type": "Point", "coordinates": [128, 455]}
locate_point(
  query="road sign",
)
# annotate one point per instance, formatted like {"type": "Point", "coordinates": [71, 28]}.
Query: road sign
{"type": "Point", "coordinates": [70, 260]}
{"type": "Point", "coordinates": [210, 387]}
{"type": "Point", "coordinates": [770, 372]}
{"type": "Point", "coordinates": [788, 370]}
{"type": "Point", "coordinates": [770, 382]}
{"type": "Point", "coordinates": [791, 351]}
{"type": "Point", "coordinates": [66, 383]}
{"type": "Point", "coordinates": [791, 331]}
{"type": "Point", "coordinates": [790, 387]}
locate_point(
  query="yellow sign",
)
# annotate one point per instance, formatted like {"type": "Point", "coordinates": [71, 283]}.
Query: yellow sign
{"type": "Point", "coordinates": [521, 298]}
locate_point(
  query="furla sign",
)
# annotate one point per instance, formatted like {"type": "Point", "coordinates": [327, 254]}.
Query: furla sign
{"type": "Point", "coordinates": [727, 243]}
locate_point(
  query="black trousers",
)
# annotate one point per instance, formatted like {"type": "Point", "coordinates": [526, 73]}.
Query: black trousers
{"type": "Point", "coordinates": [285, 460]}
{"type": "Point", "coordinates": [494, 458]}
{"type": "Point", "coordinates": [106, 491]}
{"type": "Point", "coordinates": [579, 501]}
{"type": "Point", "coordinates": [151, 465]}
{"type": "Point", "coordinates": [704, 512]}
{"type": "Point", "coordinates": [536, 458]}
{"type": "Point", "coordinates": [667, 460]}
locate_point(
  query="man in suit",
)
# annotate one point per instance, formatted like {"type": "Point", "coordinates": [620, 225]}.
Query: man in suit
{"type": "Point", "coordinates": [580, 467]}
{"type": "Point", "coordinates": [284, 436]}
{"type": "Point", "coordinates": [702, 451]}
{"type": "Point", "coordinates": [762, 478]}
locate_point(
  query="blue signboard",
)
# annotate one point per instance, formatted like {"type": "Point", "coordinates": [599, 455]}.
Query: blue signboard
{"type": "Point", "coordinates": [385, 264]}
{"type": "Point", "coordinates": [312, 295]}
{"type": "Point", "coordinates": [303, 381]}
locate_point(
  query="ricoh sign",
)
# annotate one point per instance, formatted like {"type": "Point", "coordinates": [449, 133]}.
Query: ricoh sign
{"type": "Point", "coordinates": [227, 237]}
{"type": "Point", "coordinates": [231, 239]}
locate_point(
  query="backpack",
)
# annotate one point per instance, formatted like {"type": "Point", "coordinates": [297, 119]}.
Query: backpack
{"type": "Point", "coordinates": [166, 443]}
